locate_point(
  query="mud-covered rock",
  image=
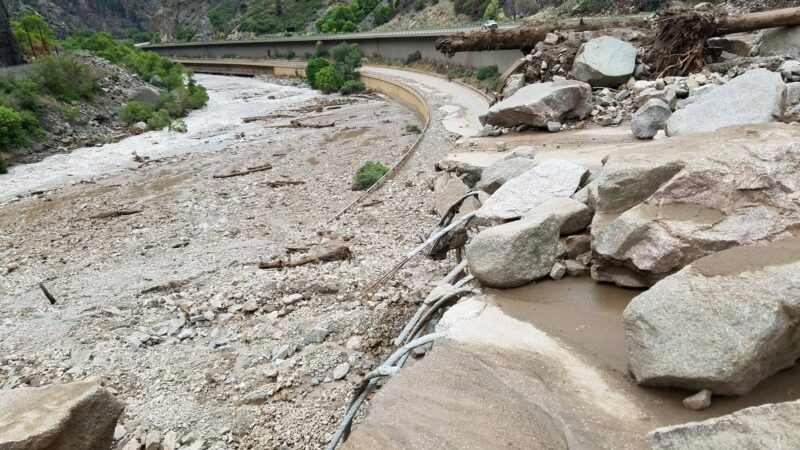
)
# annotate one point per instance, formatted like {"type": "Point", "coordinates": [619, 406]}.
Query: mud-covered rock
{"type": "Point", "coordinates": [500, 172]}
{"type": "Point", "coordinates": [552, 178]}
{"type": "Point", "coordinates": [650, 118]}
{"type": "Point", "coordinates": [781, 41]}
{"type": "Point", "coordinates": [72, 416]}
{"type": "Point", "coordinates": [671, 202]}
{"type": "Point", "coordinates": [516, 253]}
{"type": "Point", "coordinates": [770, 426]}
{"type": "Point", "coordinates": [758, 96]}
{"type": "Point", "coordinates": [724, 323]}
{"type": "Point", "coordinates": [537, 104]}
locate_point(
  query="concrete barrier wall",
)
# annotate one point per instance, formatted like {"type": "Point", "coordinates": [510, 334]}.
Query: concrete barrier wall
{"type": "Point", "coordinates": [387, 86]}
{"type": "Point", "coordinates": [386, 47]}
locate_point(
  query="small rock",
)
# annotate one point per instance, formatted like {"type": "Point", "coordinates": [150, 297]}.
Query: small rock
{"type": "Point", "coordinates": [575, 269]}
{"type": "Point", "coordinates": [553, 127]}
{"type": "Point", "coordinates": [317, 335]}
{"type": "Point", "coordinates": [558, 271]}
{"type": "Point", "coordinates": [153, 440]}
{"type": "Point", "coordinates": [119, 432]}
{"type": "Point", "coordinates": [341, 371]}
{"type": "Point", "coordinates": [354, 343]}
{"type": "Point", "coordinates": [250, 306]}
{"type": "Point", "coordinates": [701, 400]}
{"type": "Point", "coordinates": [551, 39]}
{"type": "Point", "coordinates": [291, 299]}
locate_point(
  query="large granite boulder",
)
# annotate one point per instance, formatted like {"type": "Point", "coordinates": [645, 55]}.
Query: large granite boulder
{"type": "Point", "coordinates": [448, 188]}
{"type": "Point", "coordinates": [513, 84]}
{"type": "Point", "coordinates": [669, 202]}
{"type": "Point", "coordinates": [650, 118]}
{"type": "Point", "coordinates": [724, 323]}
{"type": "Point", "coordinates": [551, 178]}
{"type": "Point", "coordinates": [516, 253]}
{"type": "Point", "coordinates": [72, 416]}
{"type": "Point", "coordinates": [758, 96]}
{"type": "Point", "coordinates": [782, 41]}
{"type": "Point", "coordinates": [770, 426]}
{"type": "Point", "coordinates": [500, 172]}
{"type": "Point", "coordinates": [604, 61]}
{"type": "Point", "coordinates": [539, 103]}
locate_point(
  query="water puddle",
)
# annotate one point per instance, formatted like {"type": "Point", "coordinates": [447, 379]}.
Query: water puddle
{"type": "Point", "coordinates": [210, 129]}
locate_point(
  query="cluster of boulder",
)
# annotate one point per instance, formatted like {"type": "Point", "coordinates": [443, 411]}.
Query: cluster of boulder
{"type": "Point", "coordinates": [706, 222]}
{"type": "Point", "coordinates": [606, 85]}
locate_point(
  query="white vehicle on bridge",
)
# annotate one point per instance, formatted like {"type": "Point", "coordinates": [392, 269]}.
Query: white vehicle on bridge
{"type": "Point", "coordinates": [490, 25]}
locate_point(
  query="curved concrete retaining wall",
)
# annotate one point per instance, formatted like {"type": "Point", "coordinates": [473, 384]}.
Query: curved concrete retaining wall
{"type": "Point", "coordinates": [396, 90]}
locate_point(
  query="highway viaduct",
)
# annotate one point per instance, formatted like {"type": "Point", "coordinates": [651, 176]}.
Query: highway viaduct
{"type": "Point", "coordinates": [393, 45]}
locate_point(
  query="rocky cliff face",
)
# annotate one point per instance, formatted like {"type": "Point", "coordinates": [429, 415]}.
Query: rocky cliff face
{"type": "Point", "coordinates": [9, 51]}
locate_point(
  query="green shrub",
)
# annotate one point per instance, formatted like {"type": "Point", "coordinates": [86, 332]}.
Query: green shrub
{"type": "Point", "coordinates": [369, 174]}
{"type": "Point", "coordinates": [16, 127]}
{"type": "Point", "coordinates": [419, 5]}
{"type": "Point", "coordinates": [33, 34]}
{"type": "Point", "coordinates": [221, 15]}
{"type": "Point", "coordinates": [3, 168]}
{"type": "Point", "coordinates": [383, 14]}
{"type": "Point", "coordinates": [185, 33]}
{"type": "Point", "coordinates": [351, 86]}
{"type": "Point", "coordinates": [72, 113]}
{"type": "Point", "coordinates": [486, 72]}
{"type": "Point", "coordinates": [179, 126]}
{"type": "Point", "coordinates": [133, 112]}
{"type": "Point", "coordinates": [290, 55]}
{"type": "Point", "coordinates": [313, 66]}
{"type": "Point", "coordinates": [413, 57]}
{"type": "Point", "coordinates": [159, 120]}
{"type": "Point", "coordinates": [319, 50]}
{"type": "Point", "coordinates": [65, 79]}
{"type": "Point", "coordinates": [328, 80]}
{"type": "Point", "coordinates": [345, 18]}
{"type": "Point", "coordinates": [413, 128]}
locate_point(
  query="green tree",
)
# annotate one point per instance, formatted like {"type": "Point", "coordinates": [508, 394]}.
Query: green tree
{"type": "Point", "coordinates": [347, 58]}
{"type": "Point", "coordinates": [185, 33]}
{"type": "Point", "coordinates": [33, 34]}
{"type": "Point", "coordinates": [221, 15]}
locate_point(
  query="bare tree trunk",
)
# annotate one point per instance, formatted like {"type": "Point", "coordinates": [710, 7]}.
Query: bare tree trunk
{"type": "Point", "coordinates": [10, 54]}
{"type": "Point", "coordinates": [787, 17]}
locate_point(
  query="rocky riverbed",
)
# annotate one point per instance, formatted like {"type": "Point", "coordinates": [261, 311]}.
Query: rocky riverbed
{"type": "Point", "coordinates": [153, 264]}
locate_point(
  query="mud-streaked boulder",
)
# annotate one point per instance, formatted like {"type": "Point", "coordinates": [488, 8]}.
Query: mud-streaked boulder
{"type": "Point", "coordinates": [758, 96]}
{"type": "Point", "coordinates": [650, 118]}
{"type": "Point", "coordinates": [449, 188]}
{"type": "Point", "coordinates": [72, 416]}
{"type": "Point", "coordinates": [724, 323]}
{"type": "Point", "coordinates": [669, 202]}
{"type": "Point", "coordinates": [551, 178]}
{"type": "Point", "coordinates": [513, 84]}
{"type": "Point", "coordinates": [781, 41]}
{"type": "Point", "coordinates": [604, 61]}
{"type": "Point", "coordinates": [516, 253]}
{"type": "Point", "coordinates": [539, 103]}
{"type": "Point", "coordinates": [500, 172]}
{"type": "Point", "coordinates": [770, 426]}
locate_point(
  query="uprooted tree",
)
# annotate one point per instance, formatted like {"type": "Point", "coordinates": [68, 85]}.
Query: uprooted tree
{"type": "Point", "coordinates": [674, 43]}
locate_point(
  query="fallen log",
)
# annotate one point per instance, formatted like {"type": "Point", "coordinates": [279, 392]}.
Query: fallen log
{"type": "Point", "coordinates": [675, 42]}
{"type": "Point", "coordinates": [116, 213]}
{"type": "Point", "coordinates": [299, 124]}
{"type": "Point", "coordinates": [265, 117]}
{"type": "Point", "coordinates": [332, 252]}
{"type": "Point", "coordinates": [239, 173]}
{"type": "Point", "coordinates": [280, 183]}
{"type": "Point", "coordinates": [47, 294]}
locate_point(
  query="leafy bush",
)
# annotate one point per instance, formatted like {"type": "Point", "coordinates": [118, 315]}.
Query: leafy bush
{"type": "Point", "coordinates": [16, 127]}
{"type": "Point", "coordinates": [71, 113]}
{"type": "Point", "coordinates": [419, 5]}
{"type": "Point", "coordinates": [185, 33]}
{"type": "Point", "coordinates": [346, 58]}
{"type": "Point", "coordinates": [345, 18]}
{"type": "Point", "coordinates": [369, 174]}
{"type": "Point", "coordinates": [133, 112]}
{"type": "Point", "coordinates": [351, 86]}
{"type": "Point", "coordinates": [319, 50]}
{"type": "Point", "coordinates": [413, 57]}
{"type": "Point", "coordinates": [137, 36]}
{"type": "Point", "coordinates": [486, 72]}
{"type": "Point", "coordinates": [290, 55]}
{"type": "Point", "coordinates": [383, 14]}
{"type": "Point", "coordinates": [328, 80]}
{"type": "Point", "coordinates": [221, 15]}
{"type": "Point", "coordinates": [313, 67]}
{"type": "Point", "coordinates": [413, 128]}
{"type": "Point", "coordinates": [3, 168]}
{"type": "Point", "coordinates": [159, 120]}
{"type": "Point", "coordinates": [271, 16]}
{"type": "Point", "coordinates": [65, 79]}
{"type": "Point", "coordinates": [179, 126]}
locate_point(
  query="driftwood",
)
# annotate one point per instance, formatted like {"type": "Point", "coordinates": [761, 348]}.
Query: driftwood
{"type": "Point", "coordinates": [116, 213]}
{"type": "Point", "coordinates": [328, 253]}
{"type": "Point", "coordinates": [675, 42]}
{"type": "Point", "coordinates": [265, 117]}
{"type": "Point", "coordinates": [238, 173]}
{"type": "Point", "coordinates": [280, 183]}
{"type": "Point", "coordinates": [47, 294]}
{"type": "Point", "coordinates": [299, 124]}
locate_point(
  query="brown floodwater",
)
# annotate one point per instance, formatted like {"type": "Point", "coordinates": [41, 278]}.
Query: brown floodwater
{"type": "Point", "coordinates": [587, 316]}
